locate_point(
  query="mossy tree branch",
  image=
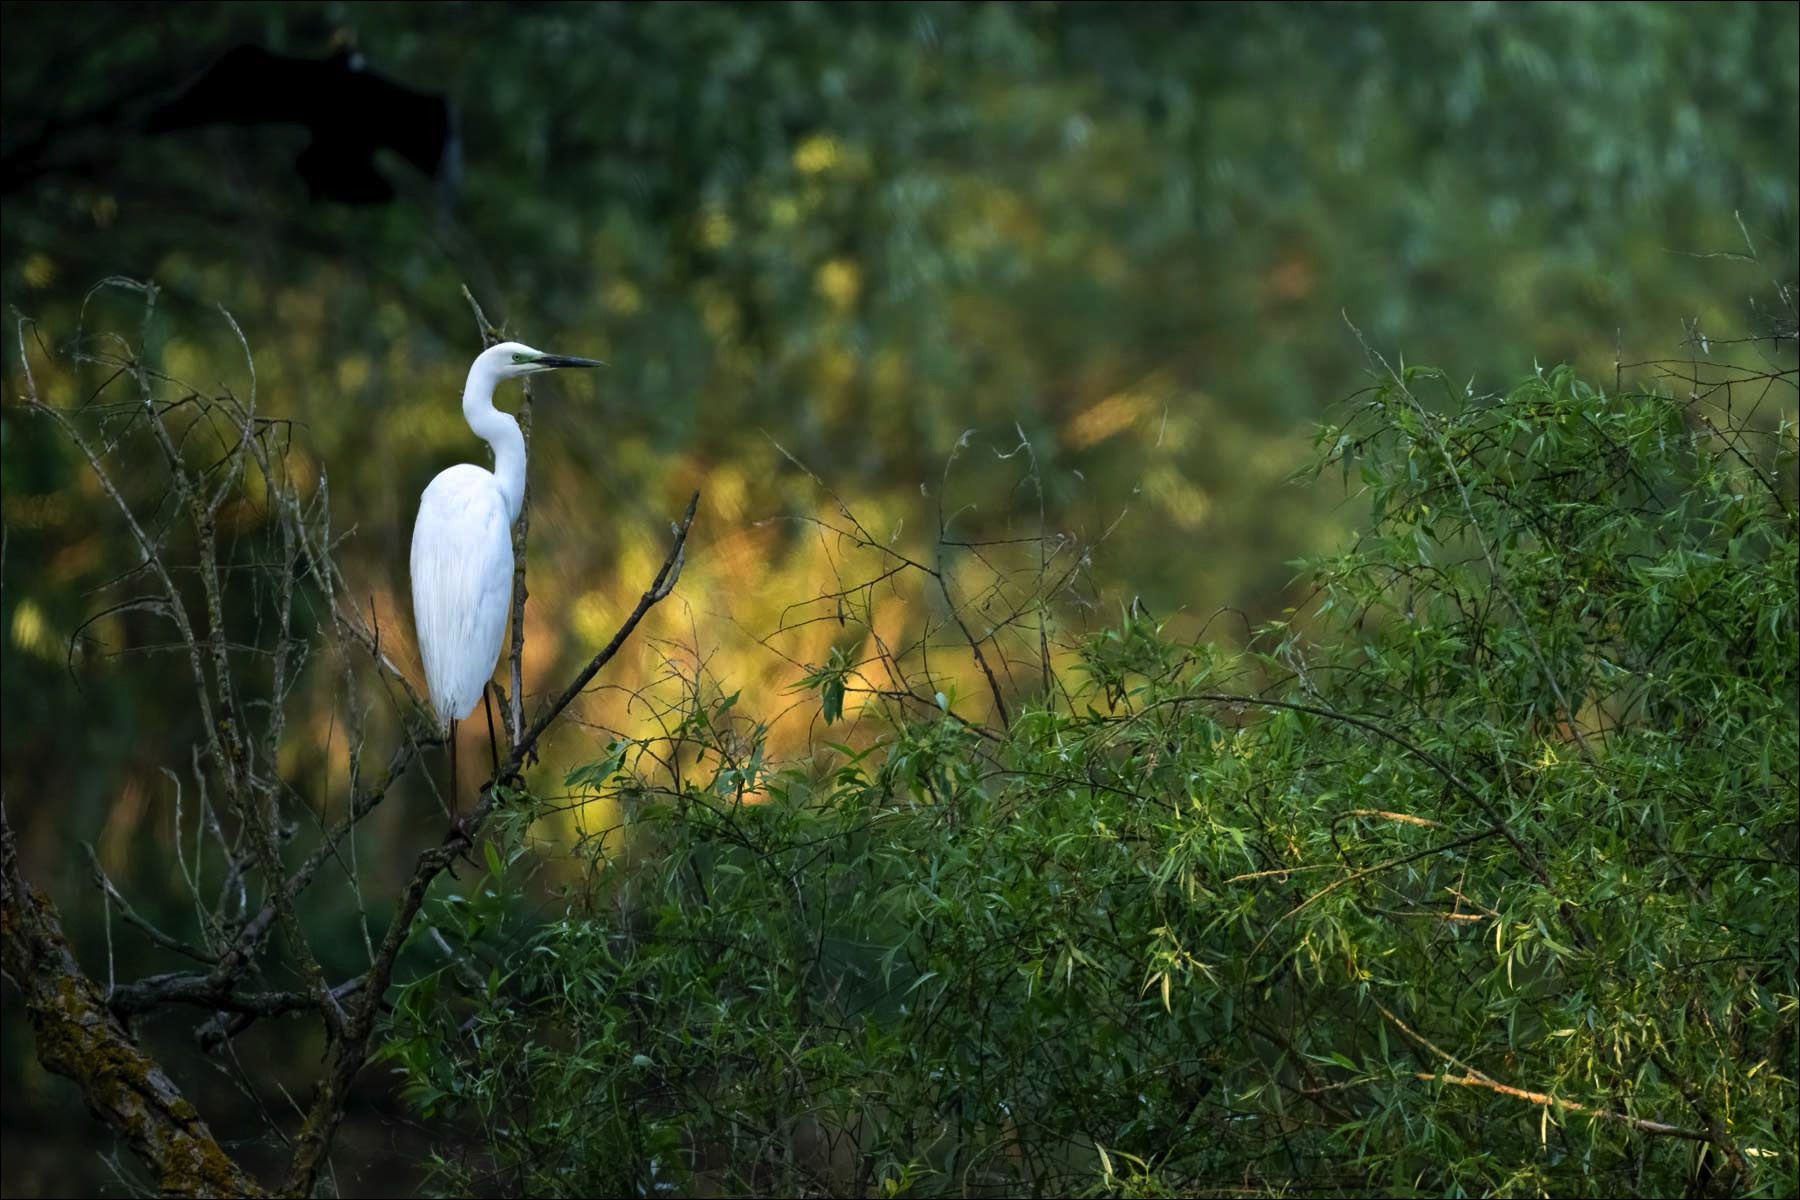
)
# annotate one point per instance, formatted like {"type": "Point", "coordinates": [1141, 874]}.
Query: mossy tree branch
{"type": "Point", "coordinates": [79, 1038]}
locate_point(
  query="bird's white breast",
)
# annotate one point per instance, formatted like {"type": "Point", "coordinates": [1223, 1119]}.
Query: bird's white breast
{"type": "Point", "coordinates": [462, 585]}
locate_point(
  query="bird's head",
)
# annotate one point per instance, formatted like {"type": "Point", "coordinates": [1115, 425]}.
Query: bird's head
{"type": "Point", "coordinates": [510, 359]}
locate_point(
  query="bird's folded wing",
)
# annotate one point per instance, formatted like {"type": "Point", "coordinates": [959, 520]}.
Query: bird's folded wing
{"type": "Point", "coordinates": [461, 584]}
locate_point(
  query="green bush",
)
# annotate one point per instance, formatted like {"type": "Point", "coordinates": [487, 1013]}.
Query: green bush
{"type": "Point", "coordinates": [1478, 876]}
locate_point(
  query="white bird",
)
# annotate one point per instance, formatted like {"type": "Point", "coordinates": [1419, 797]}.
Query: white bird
{"type": "Point", "coordinates": [462, 561]}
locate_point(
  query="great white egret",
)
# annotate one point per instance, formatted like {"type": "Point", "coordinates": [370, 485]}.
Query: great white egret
{"type": "Point", "coordinates": [462, 561]}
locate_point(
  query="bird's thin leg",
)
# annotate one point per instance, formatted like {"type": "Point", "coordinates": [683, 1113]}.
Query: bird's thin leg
{"type": "Point", "coordinates": [458, 832]}
{"type": "Point", "coordinates": [493, 746]}
{"type": "Point", "coordinates": [455, 799]}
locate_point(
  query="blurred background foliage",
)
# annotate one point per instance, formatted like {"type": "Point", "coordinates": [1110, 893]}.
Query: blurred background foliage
{"type": "Point", "coordinates": [1134, 232]}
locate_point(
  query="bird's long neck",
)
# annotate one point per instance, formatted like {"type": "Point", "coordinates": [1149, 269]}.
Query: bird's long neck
{"type": "Point", "coordinates": [499, 431]}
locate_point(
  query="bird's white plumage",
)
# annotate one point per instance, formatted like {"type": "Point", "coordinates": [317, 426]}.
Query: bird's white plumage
{"type": "Point", "coordinates": [462, 562]}
{"type": "Point", "coordinates": [462, 568]}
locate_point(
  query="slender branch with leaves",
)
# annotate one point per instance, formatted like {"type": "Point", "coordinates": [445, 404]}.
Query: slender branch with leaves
{"type": "Point", "coordinates": [1474, 874]}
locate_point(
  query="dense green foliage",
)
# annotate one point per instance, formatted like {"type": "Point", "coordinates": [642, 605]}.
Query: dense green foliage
{"type": "Point", "coordinates": [1517, 810]}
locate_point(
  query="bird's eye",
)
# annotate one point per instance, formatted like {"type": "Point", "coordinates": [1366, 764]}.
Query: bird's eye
{"type": "Point", "coordinates": [519, 358]}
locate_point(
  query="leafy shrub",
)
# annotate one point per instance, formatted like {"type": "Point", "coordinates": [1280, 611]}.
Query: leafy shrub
{"type": "Point", "coordinates": [1480, 878]}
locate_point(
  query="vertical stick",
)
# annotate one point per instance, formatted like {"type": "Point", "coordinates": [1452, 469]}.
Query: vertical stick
{"type": "Point", "coordinates": [520, 530]}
